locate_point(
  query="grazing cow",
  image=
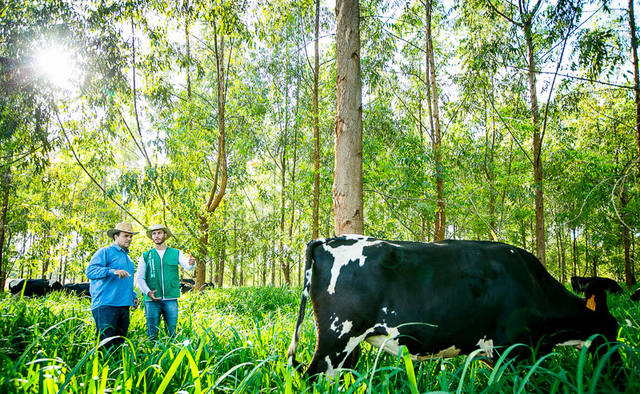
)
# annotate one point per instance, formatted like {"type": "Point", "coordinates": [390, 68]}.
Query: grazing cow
{"type": "Point", "coordinates": [32, 287]}
{"type": "Point", "coordinates": [79, 289]}
{"type": "Point", "coordinates": [439, 300]}
{"type": "Point", "coordinates": [55, 286]}
{"type": "Point", "coordinates": [579, 284]}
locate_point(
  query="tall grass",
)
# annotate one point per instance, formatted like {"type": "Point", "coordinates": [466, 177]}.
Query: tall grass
{"type": "Point", "coordinates": [235, 340]}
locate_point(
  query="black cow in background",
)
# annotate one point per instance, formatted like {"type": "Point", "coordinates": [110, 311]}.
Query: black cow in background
{"type": "Point", "coordinates": [79, 289]}
{"type": "Point", "coordinates": [579, 284]}
{"type": "Point", "coordinates": [33, 287]}
{"type": "Point", "coordinates": [636, 295]}
{"type": "Point", "coordinates": [41, 287]}
{"type": "Point", "coordinates": [187, 285]}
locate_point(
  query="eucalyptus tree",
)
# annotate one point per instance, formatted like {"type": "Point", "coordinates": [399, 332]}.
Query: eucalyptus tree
{"type": "Point", "coordinates": [636, 73]}
{"type": "Point", "coordinates": [192, 114]}
{"type": "Point", "coordinates": [347, 182]}
{"type": "Point", "coordinates": [537, 27]}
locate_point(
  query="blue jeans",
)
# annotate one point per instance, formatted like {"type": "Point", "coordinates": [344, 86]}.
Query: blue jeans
{"type": "Point", "coordinates": [168, 309]}
{"type": "Point", "coordinates": [111, 322]}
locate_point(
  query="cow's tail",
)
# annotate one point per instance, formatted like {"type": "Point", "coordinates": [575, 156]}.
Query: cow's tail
{"type": "Point", "coordinates": [308, 264]}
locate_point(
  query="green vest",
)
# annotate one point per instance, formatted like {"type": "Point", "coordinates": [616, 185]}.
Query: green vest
{"type": "Point", "coordinates": [162, 276]}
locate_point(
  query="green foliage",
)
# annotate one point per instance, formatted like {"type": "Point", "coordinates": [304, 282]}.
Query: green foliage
{"type": "Point", "coordinates": [236, 340]}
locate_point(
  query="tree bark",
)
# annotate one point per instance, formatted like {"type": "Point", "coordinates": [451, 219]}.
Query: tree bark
{"type": "Point", "coordinates": [636, 77]}
{"type": "Point", "coordinates": [6, 189]}
{"type": "Point", "coordinates": [284, 264]}
{"type": "Point", "coordinates": [574, 253]}
{"type": "Point", "coordinates": [347, 186]}
{"type": "Point", "coordinates": [221, 263]}
{"type": "Point", "coordinates": [202, 251]}
{"type": "Point", "coordinates": [626, 240]}
{"type": "Point", "coordinates": [440, 219]}
{"type": "Point", "coordinates": [537, 144]}
{"type": "Point", "coordinates": [316, 129]}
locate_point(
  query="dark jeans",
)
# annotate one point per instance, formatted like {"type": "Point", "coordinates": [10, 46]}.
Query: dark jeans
{"type": "Point", "coordinates": [111, 322]}
{"type": "Point", "coordinates": [168, 309]}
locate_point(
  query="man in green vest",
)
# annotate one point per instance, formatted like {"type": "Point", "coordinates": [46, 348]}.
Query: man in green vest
{"type": "Point", "coordinates": [157, 277]}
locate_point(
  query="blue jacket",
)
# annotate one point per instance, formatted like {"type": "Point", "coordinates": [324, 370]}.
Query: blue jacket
{"type": "Point", "coordinates": [106, 288]}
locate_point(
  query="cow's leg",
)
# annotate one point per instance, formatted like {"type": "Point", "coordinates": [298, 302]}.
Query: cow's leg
{"type": "Point", "coordinates": [333, 353]}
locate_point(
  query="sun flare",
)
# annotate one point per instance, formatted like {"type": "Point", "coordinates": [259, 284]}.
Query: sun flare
{"type": "Point", "coordinates": [58, 65]}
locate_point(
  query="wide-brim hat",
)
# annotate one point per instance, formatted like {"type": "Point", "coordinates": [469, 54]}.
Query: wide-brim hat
{"type": "Point", "coordinates": [162, 227]}
{"type": "Point", "coordinates": [124, 227]}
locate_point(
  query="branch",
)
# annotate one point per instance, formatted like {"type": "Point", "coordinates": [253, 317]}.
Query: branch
{"type": "Point", "coordinates": [509, 130]}
{"type": "Point", "coordinates": [502, 15]}
{"type": "Point", "coordinates": [64, 133]}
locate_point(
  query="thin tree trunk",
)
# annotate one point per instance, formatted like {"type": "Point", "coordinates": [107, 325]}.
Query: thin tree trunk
{"type": "Point", "coordinates": [202, 251]}
{"type": "Point", "coordinates": [636, 77]}
{"type": "Point", "coordinates": [586, 251]}
{"type": "Point", "coordinates": [574, 253]}
{"type": "Point", "coordinates": [537, 145]}
{"type": "Point", "coordinates": [284, 264]}
{"type": "Point", "coordinates": [6, 189]}
{"type": "Point", "coordinates": [440, 221]}
{"type": "Point", "coordinates": [316, 129]}
{"type": "Point", "coordinates": [347, 186]}
{"type": "Point", "coordinates": [626, 239]}
{"type": "Point", "coordinates": [221, 263]}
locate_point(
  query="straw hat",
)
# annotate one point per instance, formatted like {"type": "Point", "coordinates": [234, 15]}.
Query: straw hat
{"type": "Point", "coordinates": [154, 227]}
{"type": "Point", "coordinates": [124, 227]}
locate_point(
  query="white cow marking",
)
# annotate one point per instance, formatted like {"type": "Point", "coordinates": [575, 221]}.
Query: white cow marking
{"type": "Point", "coordinates": [341, 328]}
{"type": "Point", "coordinates": [344, 254]}
{"type": "Point", "coordinates": [576, 343]}
{"type": "Point", "coordinates": [487, 346]}
{"type": "Point", "coordinates": [331, 372]}
{"type": "Point", "coordinates": [384, 309]}
{"type": "Point", "coordinates": [307, 282]}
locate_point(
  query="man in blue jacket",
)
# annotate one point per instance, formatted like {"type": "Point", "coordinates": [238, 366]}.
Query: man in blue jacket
{"type": "Point", "coordinates": [111, 285]}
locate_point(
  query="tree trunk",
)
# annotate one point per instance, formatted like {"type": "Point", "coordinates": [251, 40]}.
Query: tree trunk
{"type": "Point", "coordinates": [537, 145]}
{"type": "Point", "coordinates": [6, 189]}
{"type": "Point", "coordinates": [316, 129]}
{"type": "Point", "coordinates": [432, 97]}
{"type": "Point", "coordinates": [347, 186]}
{"type": "Point", "coordinates": [221, 263]}
{"type": "Point", "coordinates": [202, 251]}
{"type": "Point", "coordinates": [574, 253]}
{"type": "Point", "coordinates": [626, 240]}
{"type": "Point", "coordinates": [284, 264]}
{"type": "Point", "coordinates": [636, 78]}
{"type": "Point", "coordinates": [586, 251]}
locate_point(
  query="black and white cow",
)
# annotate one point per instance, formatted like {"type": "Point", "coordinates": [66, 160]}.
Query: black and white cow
{"type": "Point", "coordinates": [32, 287]}
{"type": "Point", "coordinates": [439, 300]}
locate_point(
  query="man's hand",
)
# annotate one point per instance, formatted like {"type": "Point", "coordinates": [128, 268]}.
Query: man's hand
{"type": "Point", "coordinates": [192, 260]}
{"type": "Point", "coordinates": [152, 295]}
{"type": "Point", "coordinates": [136, 303]}
{"type": "Point", "coordinates": [121, 273]}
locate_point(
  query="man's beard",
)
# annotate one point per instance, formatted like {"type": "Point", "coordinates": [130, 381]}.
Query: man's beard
{"type": "Point", "coordinates": [159, 242]}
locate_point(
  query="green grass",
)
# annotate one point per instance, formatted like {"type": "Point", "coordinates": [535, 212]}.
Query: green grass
{"type": "Point", "coordinates": [235, 340]}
